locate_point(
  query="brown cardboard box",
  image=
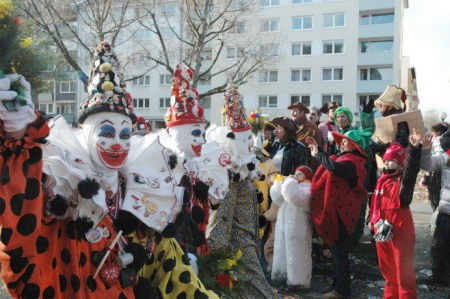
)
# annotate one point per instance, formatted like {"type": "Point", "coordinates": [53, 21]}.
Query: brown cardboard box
{"type": "Point", "coordinates": [386, 127]}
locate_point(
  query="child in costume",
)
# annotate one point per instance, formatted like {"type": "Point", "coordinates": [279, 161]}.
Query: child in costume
{"type": "Point", "coordinates": [391, 218]}
{"type": "Point", "coordinates": [292, 263]}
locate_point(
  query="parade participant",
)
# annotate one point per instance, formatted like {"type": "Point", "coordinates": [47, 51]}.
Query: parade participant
{"type": "Point", "coordinates": [328, 126]}
{"type": "Point", "coordinates": [440, 247]}
{"type": "Point", "coordinates": [337, 193]}
{"type": "Point", "coordinates": [141, 127]}
{"type": "Point", "coordinates": [292, 262]}
{"type": "Point", "coordinates": [314, 115]}
{"type": "Point", "coordinates": [234, 224]}
{"type": "Point", "coordinates": [391, 219]}
{"type": "Point", "coordinates": [391, 101]}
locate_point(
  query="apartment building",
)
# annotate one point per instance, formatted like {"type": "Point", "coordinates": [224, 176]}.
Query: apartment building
{"type": "Point", "coordinates": [322, 50]}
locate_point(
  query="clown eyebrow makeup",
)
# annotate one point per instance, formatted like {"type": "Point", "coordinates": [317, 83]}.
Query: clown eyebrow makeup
{"type": "Point", "coordinates": [106, 121]}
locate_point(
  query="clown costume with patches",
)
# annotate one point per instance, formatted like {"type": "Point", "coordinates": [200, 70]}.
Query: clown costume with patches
{"type": "Point", "coordinates": [391, 219]}
{"type": "Point", "coordinates": [234, 224]}
{"type": "Point", "coordinates": [292, 263]}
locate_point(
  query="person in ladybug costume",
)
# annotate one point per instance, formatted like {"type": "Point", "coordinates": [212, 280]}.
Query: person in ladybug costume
{"type": "Point", "coordinates": [391, 219]}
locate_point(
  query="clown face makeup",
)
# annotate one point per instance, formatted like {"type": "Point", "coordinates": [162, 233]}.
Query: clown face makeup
{"type": "Point", "coordinates": [246, 137]}
{"type": "Point", "coordinates": [189, 138]}
{"type": "Point", "coordinates": [108, 138]}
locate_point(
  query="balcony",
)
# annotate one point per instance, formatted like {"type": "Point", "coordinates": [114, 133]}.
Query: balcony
{"type": "Point", "coordinates": [372, 86]}
{"type": "Point", "coordinates": [373, 31]}
{"type": "Point", "coordinates": [367, 5]}
{"type": "Point", "coordinates": [368, 59]}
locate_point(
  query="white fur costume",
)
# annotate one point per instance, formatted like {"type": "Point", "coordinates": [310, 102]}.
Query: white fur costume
{"type": "Point", "coordinates": [293, 233]}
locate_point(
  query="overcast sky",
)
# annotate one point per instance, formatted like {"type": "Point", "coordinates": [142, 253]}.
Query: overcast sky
{"type": "Point", "coordinates": [427, 43]}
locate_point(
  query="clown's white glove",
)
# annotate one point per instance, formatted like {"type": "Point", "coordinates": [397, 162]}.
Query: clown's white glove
{"type": "Point", "coordinates": [21, 115]}
{"type": "Point", "coordinates": [383, 231]}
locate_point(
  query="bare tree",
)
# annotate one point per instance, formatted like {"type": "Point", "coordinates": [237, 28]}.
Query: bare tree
{"type": "Point", "coordinates": [430, 117]}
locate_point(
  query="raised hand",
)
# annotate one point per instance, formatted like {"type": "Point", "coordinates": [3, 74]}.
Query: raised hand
{"type": "Point", "coordinates": [313, 146]}
{"type": "Point", "coordinates": [415, 138]}
{"type": "Point", "coordinates": [427, 140]}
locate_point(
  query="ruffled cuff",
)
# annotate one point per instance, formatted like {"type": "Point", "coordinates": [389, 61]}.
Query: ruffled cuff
{"type": "Point", "coordinates": [35, 133]}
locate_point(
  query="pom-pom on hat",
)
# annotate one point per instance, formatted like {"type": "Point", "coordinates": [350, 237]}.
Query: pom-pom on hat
{"type": "Point", "coordinates": [307, 172]}
{"type": "Point", "coordinates": [344, 110]}
{"type": "Point", "coordinates": [395, 152]}
{"type": "Point", "coordinates": [185, 108]}
{"type": "Point", "coordinates": [104, 93]}
{"type": "Point", "coordinates": [233, 111]}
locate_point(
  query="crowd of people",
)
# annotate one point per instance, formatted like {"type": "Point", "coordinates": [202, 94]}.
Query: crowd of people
{"type": "Point", "coordinates": [114, 210]}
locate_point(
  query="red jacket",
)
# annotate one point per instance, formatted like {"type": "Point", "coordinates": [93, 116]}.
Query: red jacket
{"type": "Point", "coordinates": [332, 199]}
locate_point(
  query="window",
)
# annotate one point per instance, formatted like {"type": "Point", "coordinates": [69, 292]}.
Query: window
{"type": "Point", "coordinates": [206, 55]}
{"type": "Point", "coordinates": [377, 19]}
{"type": "Point", "coordinates": [237, 28]}
{"type": "Point", "coordinates": [205, 102]}
{"type": "Point", "coordinates": [268, 3]}
{"type": "Point", "coordinates": [67, 87]}
{"type": "Point", "coordinates": [333, 74]}
{"type": "Point", "coordinates": [333, 47]}
{"type": "Point", "coordinates": [305, 99]}
{"type": "Point", "coordinates": [334, 20]}
{"type": "Point", "coordinates": [331, 98]}
{"type": "Point", "coordinates": [235, 52]}
{"type": "Point", "coordinates": [164, 102]}
{"type": "Point", "coordinates": [269, 50]}
{"type": "Point", "coordinates": [268, 101]}
{"type": "Point", "coordinates": [141, 103]}
{"type": "Point", "coordinates": [299, 49]}
{"type": "Point", "coordinates": [301, 75]}
{"type": "Point", "coordinates": [364, 99]}
{"type": "Point", "coordinates": [302, 23]}
{"type": "Point", "coordinates": [169, 9]}
{"type": "Point", "coordinates": [268, 76]}
{"type": "Point", "coordinates": [270, 25]}
{"type": "Point", "coordinates": [377, 46]}
{"type": "Point", "coordinates": [301, 1]}
{"type": "Point", "coordinates": [375, 74]}
{"type": "Point", "coordinates": [165, 79]}
{"type": "Point", "coordinates": [143, 34]}
{"type": "Point", "coordinates": [47, 108]}
{"type": "Point", "coordinates": [142, 81]}
{"type": "Point", "coordinates": [167, 32]}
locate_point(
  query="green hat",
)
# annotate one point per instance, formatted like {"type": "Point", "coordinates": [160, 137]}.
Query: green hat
{"type": "Point", "coordinates": [354, 136]}
{"type": "Point", "coordinates": [346, 111]}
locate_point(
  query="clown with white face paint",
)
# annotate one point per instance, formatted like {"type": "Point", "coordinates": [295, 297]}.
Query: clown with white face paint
{"type": "Point", "coordinates": [189, 138]}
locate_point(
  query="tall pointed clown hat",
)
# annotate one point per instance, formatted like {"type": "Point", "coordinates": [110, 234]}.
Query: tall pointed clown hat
{"type": "Point", "coordinates": [184, 108]}
{"type": "Point", "coordinates": [233, 111]}
{"type": "Point", "coordinates": [104, 91]}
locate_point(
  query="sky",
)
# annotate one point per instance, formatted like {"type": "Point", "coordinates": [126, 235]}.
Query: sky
{"type": "Point", "coordinates": [426, 40]}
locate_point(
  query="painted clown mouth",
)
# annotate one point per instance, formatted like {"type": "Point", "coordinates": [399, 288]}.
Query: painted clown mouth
{"type": "Point", "coordinates": [197, 149]}
{"type": "Point", "coordinates": [112, 159]}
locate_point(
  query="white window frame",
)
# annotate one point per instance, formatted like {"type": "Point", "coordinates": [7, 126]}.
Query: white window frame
{"type": "Point", "coordinates": [302, 23]}
{"type": "Point", "coordinates": [301, 75]}
{"type": "Point", "coordinates": [72, 86]}
{"type": "Point", "coordinates": [300, 2]}
{"type": "Point", "coordinates": [272, 26]}
{"type": "Point", "coordinates": [235, 52]}
{"type": "Point", "coordinates": [165, 79]}
{"type": "Point", "coordinates": [333, 73]}
{"type": "Point", "coordinates": [302, 47]}
{"type": "Point", "coordinates": [265, 76]}
{"type": "Point", "coordinates": [334, 16]}
{"type": "Point", "coordinates": [142, 81]}
{"type": "Point", "coordinates": [369, 74]}
{"type": "Point", "coordinates": [301, 98]}
{"type": "Point", "coordinates": [166, 102]}
{"type": "Point", "coordinates": [268, 99]}
{"type": "Point", "coordinates": [269, 3]}
{"type": "Point", "coordinates": [269, 50]}
{"type": "Point", "coordinates": [333, 42]}
{"type": "Point", "coordinates": [370, 17]}
{"type": "Point", "coordinates": [143, 34]}
{"type": "Point", "coordinates": [333, 98]}
{"type": "Point", "coordinates": [375, 41]}
{"type": "Point", "coordinates": [141, 103]}
{"type": "Point", "coordinates": [237, 28]}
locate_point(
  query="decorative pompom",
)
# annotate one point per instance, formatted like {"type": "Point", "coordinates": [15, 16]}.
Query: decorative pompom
{"type": "Point", "coordinates": [197, 214]}
{"type": "Point", "coordinates": [231, 135]}
{"type": "Point", "coordinates": [173, 161]}
{"type": "Point", "coordinates": [107, 86]}
{"type": "Point", "coordinates": [198, 238]}
{"type": "Point", "coordinates": [88, 188]}
{"type": "Point", "coordinates": [143, 289]}
{"type": "Point", "coordinates": [59, 205]}
{"type": "Point", "coordinates": [126, 222]}
{"type": "Point", "coordinates": [259, 196]}
{"type": "Point", "coordinates": [105, 67]}
{"type": "Point", "coordinates": [169, 231]}
{"type": "Point", "coordinates": [251, 166]}
{"type": "Point", "coordinates": [262, 221]}
{"type": "Point", "coordinates": [83, 225]}
{"type": "Point", "coordinates": [138, 253]}
{"type": "Point", "coordinates": [201, 190]}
